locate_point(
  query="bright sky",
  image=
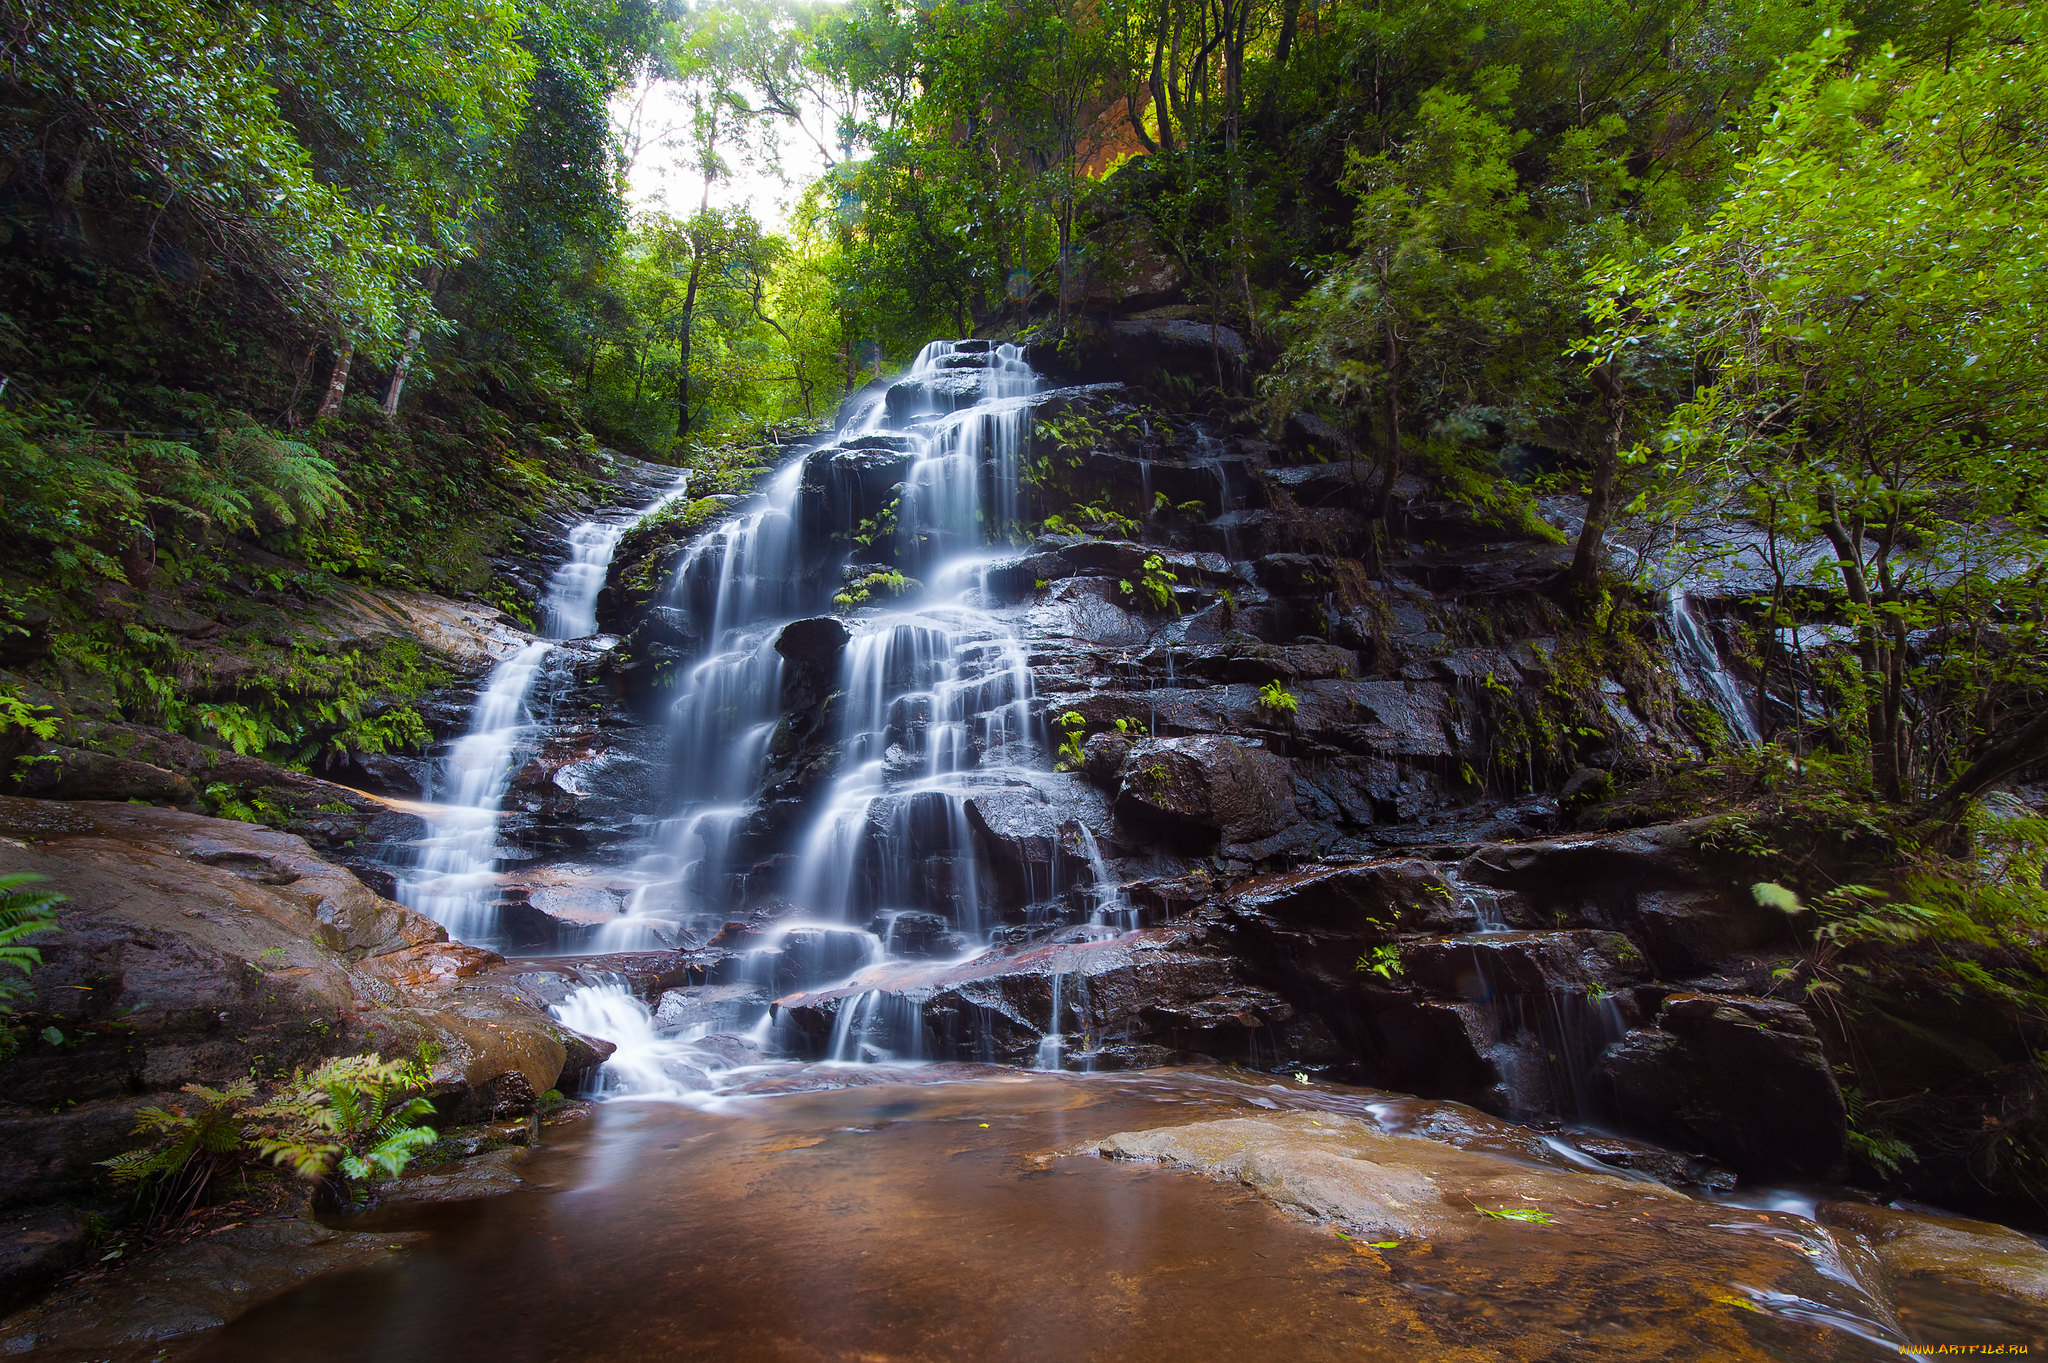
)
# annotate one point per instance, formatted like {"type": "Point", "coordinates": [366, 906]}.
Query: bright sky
{"type": "Point", "coordinates": [654, 124]}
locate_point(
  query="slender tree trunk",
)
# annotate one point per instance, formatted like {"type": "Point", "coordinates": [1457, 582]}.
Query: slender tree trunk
{"type": "Point", "coordinates": [1895, 766]}
{"type": "Point", "coordinates": [683, 346]}
{"type": "Point", "coordinates": [396, 387]}
{"type": "Point", "coordinates": [1849, 557]}
{"type": "Point", "coordinates": [291, 404]}
{"type": "Point", "coordinates": [1269, 107]}
{"type": "Point", "coordinates": [337, 381]}
{"type": "Point", "coordinates": [1585, 569]}
{"type": "Point", "coordinates": [1159, 88]}
{"type": "Point", "coordinates": [1390, 453]}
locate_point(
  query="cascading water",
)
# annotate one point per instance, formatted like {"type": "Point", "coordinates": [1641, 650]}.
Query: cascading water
{"type": "Point", "coordinates": [454, 876]}
{"type": "Point", "coordinates": [933, 701]}
{"type": "Point", "coordinates": [1701, 666]}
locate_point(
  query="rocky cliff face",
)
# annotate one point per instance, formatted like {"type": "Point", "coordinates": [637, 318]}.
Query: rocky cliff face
{"type": "Point", "coordinates": [1315, 803]}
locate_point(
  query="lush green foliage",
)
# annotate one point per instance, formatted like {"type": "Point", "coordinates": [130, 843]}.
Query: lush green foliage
{"type": "Point", "coordinates": [352, 1121]}
{"type": "Point", "coordinates": [187, 1150]}
{"type": "Point", "coordinates": [1866, 305]}
{"type": "Point", "coordinates": [349, 1123]}
{"type": "Point", "coordinates": [24, 913]}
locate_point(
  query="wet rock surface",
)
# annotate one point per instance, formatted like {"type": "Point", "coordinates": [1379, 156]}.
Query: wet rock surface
{"type": "Point", "coordinates": [190, 1288]}
{"type": "Point", "coordinates": [191, 950]}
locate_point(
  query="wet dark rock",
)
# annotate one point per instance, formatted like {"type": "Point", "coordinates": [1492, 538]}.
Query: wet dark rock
{"type": "Point", "coordinates": [192, 1287]}
{"type": "Point", "coordinates": [1137, 999]}
{"type": "Point", "coordinates": [1744, 1079]}
{"type": "Point", "coordinates": [1669, 1167]}
{"type": "Point", "coordinates": [933, 394]}
{"type": "Point", "coordinates": [1185, 790]}
{"type": "Point", "coordinates": [1103, 757]}
{"type": "Point", "coordinates": [190, 950]}
{"type": "Point", "coordinates": [1491, 964]}
{"type": "Point", "coordinates": [845, 485]}
{"type": "Point", "coordinates": [1410, 895]}
{"type": "Point", "coordinates": [1305, 433]}
{"type": "Point", "coordinates": [1684, 907]}
{"type": "Point", "coordinates": [1586, 786]}
{"type": "Point", "coordinates": [815, 644]}
{"type": "Point", "coordinates": [1029, 844]}
{"type": "Point", "coordinates": [36, 1246]}
{"type": "Point", "coordinates": [68, 774]}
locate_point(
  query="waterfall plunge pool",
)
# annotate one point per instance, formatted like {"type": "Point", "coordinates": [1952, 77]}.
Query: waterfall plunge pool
{"type": "Point", "coordinates": [927, 1213]}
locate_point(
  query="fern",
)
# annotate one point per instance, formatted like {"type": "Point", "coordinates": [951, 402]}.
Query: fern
{"type": "Point", "coordinates": [352, 1120]}
{"type": "Point", "coordinates": [24, 913]}
{"type": "Point", "coordinates": [289, 481]}
{"type": "Point", "coordinates": [187, 1150]}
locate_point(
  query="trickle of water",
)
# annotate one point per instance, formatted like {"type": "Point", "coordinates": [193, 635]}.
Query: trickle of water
{"type": "Point", "coordinates": [1112, 909]}
{"type": "Point", "coordinates": [1053, 1042]}
{"type": "Point", "coordinates": [1702, 667]}
{"type": "Point", "coordinates": [569, 607]}
{"type": "Point", "coordinates": [454, 879]}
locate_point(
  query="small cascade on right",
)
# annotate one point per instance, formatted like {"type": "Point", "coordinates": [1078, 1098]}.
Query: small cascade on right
{"type": "Point", "coordinates": [1703, 672]}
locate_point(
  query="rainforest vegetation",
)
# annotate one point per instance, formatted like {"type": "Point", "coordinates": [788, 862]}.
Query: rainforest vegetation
{"type": "Point", "coordinates": [299, 295]}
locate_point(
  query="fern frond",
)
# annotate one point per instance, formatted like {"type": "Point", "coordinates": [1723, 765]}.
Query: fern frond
{"type": "Point", "coordinates": [24, 913]}
{"type": "Point", "coordinates": [290, 480]}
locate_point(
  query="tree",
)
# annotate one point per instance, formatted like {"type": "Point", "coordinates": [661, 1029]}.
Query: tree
{"type": "Point", "coordinates": [1422, 320]}
{"type": "Point", "coordinates": [1868, 303]}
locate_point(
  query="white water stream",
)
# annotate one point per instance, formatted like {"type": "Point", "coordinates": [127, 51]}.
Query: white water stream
{"type": "Point", "coordinates": [455, 874]}
{"type": "Point", "coordinates": [935, 705]}
{"type": "Point", "coordinates": [1702, 670]}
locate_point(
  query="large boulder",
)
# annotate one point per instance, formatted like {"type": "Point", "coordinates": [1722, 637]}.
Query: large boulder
{"type": "Point", "coordinates": [1197, 790]}
{"type": "Point", "coordinates": [195, 950]}
{"type": "Point", "coordinates": [1742, 1079]}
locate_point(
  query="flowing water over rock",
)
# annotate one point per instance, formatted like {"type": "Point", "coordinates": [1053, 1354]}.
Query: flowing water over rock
{"type": "Point", "coordinates": [919, 701]}
{"type": "Point", "coordinates": [910, 788]}
{"type": "Point", "coordinates": [453, 878]}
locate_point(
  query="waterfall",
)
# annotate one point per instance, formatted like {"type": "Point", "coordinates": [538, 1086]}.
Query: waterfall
{"type": "Point", "coordinates": [454, 879]}
{"type": "Point", "coordinates": [454, 876]}
{"type": "Point", "coordinates": [569, 606]}
{"type": "Point", "coordinates": [878, 871]}
{"type": "Point", "coordinates": [1701, 667]}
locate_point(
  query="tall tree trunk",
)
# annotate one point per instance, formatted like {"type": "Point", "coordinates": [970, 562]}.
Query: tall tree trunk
{"type": "Point", "coordinates": [1269, 107]}
{"type": "Point", "coordinates": [411, 347]}
{"type": "Point", "coordinates": [337, 381]}
{"type": "Point", "coordinates": [1159, 96]}
{"type": "Point", "coordinates": [1849, 558]}
{"type": "Point", "coordinates": [683, 358]}
{"type": "Point", "coordinates": [1585, 569]}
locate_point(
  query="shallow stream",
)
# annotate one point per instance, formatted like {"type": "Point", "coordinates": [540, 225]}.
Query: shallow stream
{"type": "Point", "coordinates": [879, 1213]}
